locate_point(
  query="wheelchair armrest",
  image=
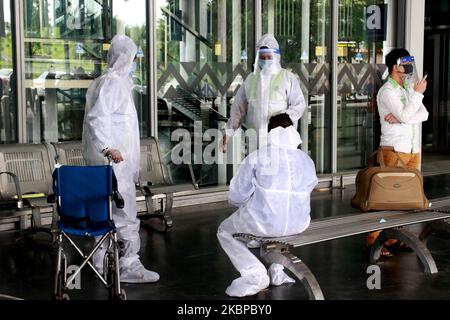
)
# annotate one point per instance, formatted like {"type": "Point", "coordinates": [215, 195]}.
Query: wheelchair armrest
{"type": "Point", "coordinates": [118, 200]}
{"type": "Point", "coordinates": [51, 198]}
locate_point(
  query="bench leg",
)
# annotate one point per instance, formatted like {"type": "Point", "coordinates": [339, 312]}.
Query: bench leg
{"type": "Point", "coordinates": [160, 214]}
{"type": "Point", "coordinates": [36, 222]}
{"type": "Point", "coordinates": [168, 211]}
{"type": "Point", "coordinates": [281, 255]}
{"type": "Point", "coordinates": [411, 241]}
{"type": "Point", "coordinates": [36, 218]}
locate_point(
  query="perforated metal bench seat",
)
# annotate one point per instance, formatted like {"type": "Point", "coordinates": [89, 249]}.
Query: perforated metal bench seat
{"type": "Point", "coordinates": [277, 249]}
{"type": "Point", "coordinates": [334, 228]}
{"type": "Point", "coordinates": [32, 165]}
{"type": "Point", "coordinates": [156, 180]}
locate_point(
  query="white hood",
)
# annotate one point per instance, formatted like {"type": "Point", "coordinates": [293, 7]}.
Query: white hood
{"type": "Point", "coordinates": [284, 137]}
{"type": "Point", "coordinates": [121, 55]}
{"type": "Point", "coordinates": [270, 42]}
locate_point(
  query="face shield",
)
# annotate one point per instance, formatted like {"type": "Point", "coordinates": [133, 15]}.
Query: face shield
{"type": "Point", "coordinates": [407, 67]}
{"type": "Point", "coordinates": [267, 60]}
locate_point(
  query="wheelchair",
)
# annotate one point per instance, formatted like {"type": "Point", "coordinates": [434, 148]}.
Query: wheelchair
{"type": "Point", "coordinates": [84, 196]}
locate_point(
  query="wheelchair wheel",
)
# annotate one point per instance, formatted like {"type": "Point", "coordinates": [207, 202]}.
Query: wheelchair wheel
{"type": "Point", "coordinates": [122, 296]}
{"type": "Point", "coordinates": [60, 294]}
{"type": "Point", "coordinates": [64, 296]}
{"type": "Point", "coordinates": [111, 279]}
{"type": "Point", "coordinates": [60, 277]}
{"type": "Point", "coordinates": [58, 287]}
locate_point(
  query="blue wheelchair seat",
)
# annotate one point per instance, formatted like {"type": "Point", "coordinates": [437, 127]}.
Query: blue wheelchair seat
{"type": "Point", "coordinates": [84, 199]}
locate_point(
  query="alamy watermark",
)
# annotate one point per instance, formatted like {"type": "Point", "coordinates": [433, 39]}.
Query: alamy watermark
{"type": "Point", "coordinates": [374, 280]}
{"type": "Point", "coordinates": [76, 283]}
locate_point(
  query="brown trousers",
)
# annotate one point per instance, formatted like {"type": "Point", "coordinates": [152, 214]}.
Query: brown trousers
{"type": "Point", "coordinates": [411, 160]}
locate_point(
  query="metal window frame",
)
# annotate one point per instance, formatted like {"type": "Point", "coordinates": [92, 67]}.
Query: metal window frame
{"type": "Point", "coordinates": [18, 15]}
{"type": "Point", "coordinates": [258, 33]}
{"type": "Point", "coordinates": [152, 70]}
{"type": "Point", "coordinates": [334, 86]}
{"type": "Point", "coordinates": [18, 23]}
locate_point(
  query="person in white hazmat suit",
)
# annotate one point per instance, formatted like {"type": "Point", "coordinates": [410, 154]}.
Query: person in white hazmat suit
{"type": "Point", "coordinates": [269, 90]}
{"type": "Point", "coordinates": [272, 189]}
{"type": "Point", "coordinates": [110, 128]}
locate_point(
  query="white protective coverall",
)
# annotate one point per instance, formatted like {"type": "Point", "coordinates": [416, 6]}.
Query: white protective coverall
{"type": "Point", "coordinates": [272, 190]}
{"type": "Point", "coordinates": [111, 122]}
{"type": "Point", "coordinates": [266, 92]}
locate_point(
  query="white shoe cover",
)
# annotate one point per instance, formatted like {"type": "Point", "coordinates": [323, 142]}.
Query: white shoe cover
{"type": "Point", "coordinates": [252, 244]}
{"type": "Point", "coordinates": [248, 285]}
{"type": "Point", "coordinates": [138, 274]}
{"type": "Point", "coordinates": [278, 276]}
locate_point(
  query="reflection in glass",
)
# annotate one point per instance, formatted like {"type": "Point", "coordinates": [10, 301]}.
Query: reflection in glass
{"type": "Point", "coordinates": [359, 76]}
{"type": "Point", "coordinates": [204, 52]}
{"type": "Point", "coordinates": [8, 106]}
{"type": "Point", "coordinates": [303, 30]}
{"type": "Point", "coordinates": [66, 43]}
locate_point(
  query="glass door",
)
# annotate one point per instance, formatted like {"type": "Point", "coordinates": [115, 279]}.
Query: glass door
{"type": "Point", "coordinates": [8, 105]}
{"type": "Point", "coordinates": [204, 52]}
{"type": "Point", "coordinates": [66, 43]}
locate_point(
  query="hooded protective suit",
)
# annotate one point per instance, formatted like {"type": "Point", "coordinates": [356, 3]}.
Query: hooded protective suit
{"type": "Point", "coordinates": [111, 122]}
{"type": "Point", "coordinates": [266, 92]}
{"type": "Point", "coordinates": [272, 190]}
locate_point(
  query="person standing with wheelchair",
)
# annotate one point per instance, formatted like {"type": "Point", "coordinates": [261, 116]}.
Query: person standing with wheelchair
{"type": "Point", "coordinates": [110, 129]}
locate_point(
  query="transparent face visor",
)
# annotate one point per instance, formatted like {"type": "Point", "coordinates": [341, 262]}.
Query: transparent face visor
{"type": "Point", "coordinates": [409, 69]}
{"type": "Point", "coordinates": [267, 58]}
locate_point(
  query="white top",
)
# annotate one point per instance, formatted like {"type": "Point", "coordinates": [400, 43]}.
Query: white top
{"type": "Point", "coordinates": [406, 105]}
{"type": "Point", "coordinates": [270, 98]}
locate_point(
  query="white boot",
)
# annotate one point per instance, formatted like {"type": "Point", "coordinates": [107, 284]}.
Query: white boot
{"type": "Point", "coordinates": [248, 285]}
{"type": "Point", "coordinates": [252, 244]}
{"type": "Point", "coordinates": [278, 276]}
{"type": "Point", "coordinates": [137, 273]}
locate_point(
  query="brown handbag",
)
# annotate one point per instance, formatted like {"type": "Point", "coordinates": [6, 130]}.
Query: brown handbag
{"type": "Point", "coordinates": [389, 188]}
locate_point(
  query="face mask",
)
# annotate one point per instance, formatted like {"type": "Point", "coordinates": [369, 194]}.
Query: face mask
{"type": "Point", "coordinates": [409, 69]}
{"type": "Point", "coordinates": [265, 64]}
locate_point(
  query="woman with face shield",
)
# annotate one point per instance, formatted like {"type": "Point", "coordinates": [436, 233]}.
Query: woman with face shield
{"type": "Point", "coordinates": [110, 128]}
{"type": "Point", "coordinates": [269, 90]}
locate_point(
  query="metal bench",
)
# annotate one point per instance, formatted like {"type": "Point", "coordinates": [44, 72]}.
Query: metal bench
{"type": "Point", "coordinates": [25, 183]}
{"type": "Point", "coordinates": [155, 180]}
{"type": "Point", "coordinates": [278, 249]}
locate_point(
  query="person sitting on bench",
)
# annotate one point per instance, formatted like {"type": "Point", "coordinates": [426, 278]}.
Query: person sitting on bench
{"type": "Point", "coordinates": [272, 189]}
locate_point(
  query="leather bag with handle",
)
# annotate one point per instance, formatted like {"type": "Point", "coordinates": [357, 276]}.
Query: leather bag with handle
{"type": "Point", "coordinates": [389, 188]}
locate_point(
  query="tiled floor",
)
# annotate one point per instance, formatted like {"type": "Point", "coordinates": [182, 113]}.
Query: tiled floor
{"type": "Point", "coordinates": [193, 266]}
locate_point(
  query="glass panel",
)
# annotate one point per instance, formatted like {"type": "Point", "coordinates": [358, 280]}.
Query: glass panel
{"type": "Point", "coordinates": [303, 30]}
{"type": "Point", "coordinates": [205, 49]}
{"type": "Point", "coordinates": [66, 43]}
{"type": "Point", "coordinates": [8, 106]}
{"type": "Point", "coordinates": [436, 131]}
{"type": "Point", "coordinates": [360, 72]}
